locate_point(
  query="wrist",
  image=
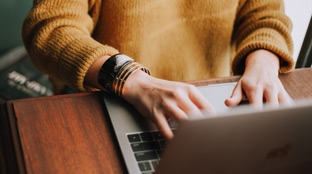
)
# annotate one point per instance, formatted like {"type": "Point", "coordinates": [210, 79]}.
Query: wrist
{"type": "Point", "coordinates": [116, 70]}
{"type": "Point", "coordinates": [135, 84]}
{"type": "Point", "coordinates": [91, 77]}
{"type": "Point", "coordinates": [262, 58]}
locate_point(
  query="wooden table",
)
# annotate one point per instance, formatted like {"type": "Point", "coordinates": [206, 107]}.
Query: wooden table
{"type": "Point", "coordinates": [71, 134]}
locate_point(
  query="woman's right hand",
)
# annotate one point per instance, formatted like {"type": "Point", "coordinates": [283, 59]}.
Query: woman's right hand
{"type": "Point", "coordinates": [161, 100]}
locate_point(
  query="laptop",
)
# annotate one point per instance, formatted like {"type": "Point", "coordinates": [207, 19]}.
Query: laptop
{"type": "Point", "coordinates": [214, 142]}
{"type": "Point", "coordinates": [243, 141]}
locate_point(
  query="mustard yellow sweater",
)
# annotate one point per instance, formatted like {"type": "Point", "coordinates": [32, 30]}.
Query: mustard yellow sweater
{"type": "Point", "coordinates": [178, 40]}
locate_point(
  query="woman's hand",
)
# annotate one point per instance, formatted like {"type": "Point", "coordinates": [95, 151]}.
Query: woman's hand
{"type": "Point", "coordinates": [156, 99]}
{"type": "Point", "coordinates": [260, 82]}
{"type": "Point", "coordinates": [161, 100]}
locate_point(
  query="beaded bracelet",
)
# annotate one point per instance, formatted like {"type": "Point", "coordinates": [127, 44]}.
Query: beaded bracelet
{"type": "Point", "coordinates": [115, 71]}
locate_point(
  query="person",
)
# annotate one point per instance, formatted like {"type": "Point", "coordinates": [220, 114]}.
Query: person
{"type": "Point", "coordinates": [103, 44]}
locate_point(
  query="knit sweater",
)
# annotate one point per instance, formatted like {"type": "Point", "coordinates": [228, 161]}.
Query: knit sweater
{"type": "Point", "coordinates": [179, 40]}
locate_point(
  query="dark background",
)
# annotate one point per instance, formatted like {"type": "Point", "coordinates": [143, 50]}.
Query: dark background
{"type": "Point", "coordinates": [12, 14]}
{"type": "Point", "coordinates": [35, 83]}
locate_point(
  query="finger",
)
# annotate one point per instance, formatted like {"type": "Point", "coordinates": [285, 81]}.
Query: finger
{"type": "Point", "coordinates": [172, 110]}
{"type": "Point", "coordinates": [284, 98]}
{"type": "Point", "coordinates": [184, 110]}
{"type": "Point", "coordinates": [200, 105]}
{"type": "Point", "coordinates": [189, 108]}
{"type": "Point", "coordinates": [236, 96]}
{"type": "Point", "coordinates": [190, 101]}
{"type": "Point", "coordinates": [255, 96]}
{"type": "Point", "coordinates": [271, 97]}
{"type": "Point", "coordinates": [163, 127]}
{"type": "Point", "coordinates": [200, 101]}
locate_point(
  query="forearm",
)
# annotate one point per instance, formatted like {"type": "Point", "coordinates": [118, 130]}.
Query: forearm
{"type": "Point", "coordinates": [263, 25]}
{"type": "Point", "coordinates": [59, 41]}
{"type": "Point", "coordinates": [261, 59]}
{"type": "Point", "coordinates": [91, 78]}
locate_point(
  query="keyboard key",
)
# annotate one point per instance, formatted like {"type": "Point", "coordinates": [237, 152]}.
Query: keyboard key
{"type": "Point", "coordinates": [158, 136]}
{"type": "Point", "coordinates": [145, 166]}
{"type": "Point", "coordinates": [147, 136]}
{"type": "Point", "coordinates": [134, 138]}
{"type": "Point", "coordinates": [151, 145]}
{"type": "Point", "coordinates": [163, 143]}
{"type": "Point", "coordinates": [154, 164]}
{"type": "Point", "coordinates": [159, 152]}
{"type": "Point", "coordinates": [149, 155]}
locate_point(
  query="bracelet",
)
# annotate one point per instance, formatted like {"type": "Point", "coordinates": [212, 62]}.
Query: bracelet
{"type": "Point", "coordinates": [124, 74]}
{"type": "Point", "coordinates": [110, 69]}
{"type": "Point", "coordinates": [115, 71]}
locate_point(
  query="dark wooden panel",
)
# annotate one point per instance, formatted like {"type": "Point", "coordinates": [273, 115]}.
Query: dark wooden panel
{"type": "Point", "coordinates": [298, 83]}
{"type": "Point", "coordinates": [66, 135]}
{"type": "Point", "coordinates": [8, 153]}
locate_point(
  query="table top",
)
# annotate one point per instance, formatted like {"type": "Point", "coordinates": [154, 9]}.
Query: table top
{"type": "Point", "coordinates": [72, 133]}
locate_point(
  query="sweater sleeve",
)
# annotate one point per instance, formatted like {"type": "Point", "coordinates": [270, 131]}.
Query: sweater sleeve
{"type": "Point", "coordinates": [262, 24]}
{"type": "Point", "coordinates": [57, 36]}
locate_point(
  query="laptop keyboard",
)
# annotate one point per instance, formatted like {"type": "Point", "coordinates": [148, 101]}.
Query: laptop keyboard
{"type": "Point", "coordinates": [147, 148]}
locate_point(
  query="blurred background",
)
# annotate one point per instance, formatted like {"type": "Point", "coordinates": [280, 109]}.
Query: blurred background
{"type": "Point", "coordinates": [18, 77]}
{"type": "Point", "coordinates": [12, 13]}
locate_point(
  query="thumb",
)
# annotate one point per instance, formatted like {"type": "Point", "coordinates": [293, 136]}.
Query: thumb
{"type": "Point", "coordinates": [236, 96]}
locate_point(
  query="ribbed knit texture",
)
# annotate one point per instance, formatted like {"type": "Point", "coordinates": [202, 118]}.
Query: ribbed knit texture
{"type": "Point", "coordinates": [178, 40]}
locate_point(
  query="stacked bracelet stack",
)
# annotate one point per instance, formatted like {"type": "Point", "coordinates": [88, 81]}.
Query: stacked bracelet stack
{"type": "Point", "coordinates": [115, 71]}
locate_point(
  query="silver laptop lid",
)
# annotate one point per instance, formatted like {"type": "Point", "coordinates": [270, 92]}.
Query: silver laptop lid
{"type": "Point", "coordinates": [243, 141]}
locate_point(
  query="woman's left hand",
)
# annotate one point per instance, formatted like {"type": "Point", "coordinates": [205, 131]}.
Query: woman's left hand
{"type": "Point", "coordinates": [260, 82]}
